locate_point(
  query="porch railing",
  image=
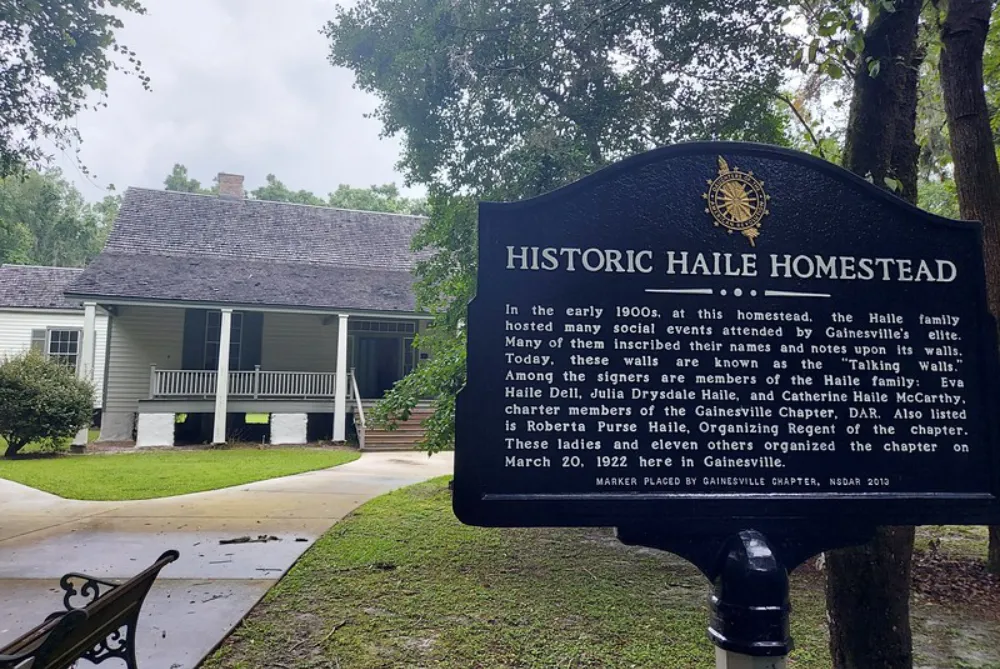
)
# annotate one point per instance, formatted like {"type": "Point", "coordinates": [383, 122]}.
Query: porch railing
{"type": "Point", "coordinates": [256, 384]}
{"type": "Point", "coordinates": [359, 414]}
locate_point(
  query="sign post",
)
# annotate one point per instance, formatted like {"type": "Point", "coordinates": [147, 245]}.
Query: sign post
{"type": "Point", "coordinates": [727, 660]}
{"type": "Point", "coordinates": [733, 352]}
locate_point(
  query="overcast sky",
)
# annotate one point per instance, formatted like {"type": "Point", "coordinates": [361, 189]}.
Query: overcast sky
{"type": "Point", "coordinates": [239, 86]}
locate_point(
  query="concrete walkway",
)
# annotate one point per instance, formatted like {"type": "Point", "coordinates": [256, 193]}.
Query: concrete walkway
{"type": "Point", "coordinates": [197, 600]}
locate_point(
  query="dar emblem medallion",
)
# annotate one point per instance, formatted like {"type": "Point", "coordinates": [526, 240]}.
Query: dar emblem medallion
{"type": "Point", "coordinates": [737, 201]}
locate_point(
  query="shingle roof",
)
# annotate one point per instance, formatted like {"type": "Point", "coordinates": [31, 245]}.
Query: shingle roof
{"type": "Point", "coordinates": [199, 278]}
{"type": "Point", "coordinates": [32, 287]}
{"type": "Point", "coordinates": [204, 248]}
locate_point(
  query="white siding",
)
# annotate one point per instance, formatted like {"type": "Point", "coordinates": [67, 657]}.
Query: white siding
{"type": "Point", "coordinates": [140, 337]}
{"type": "Point", "coordinates": [15, 336]}
{"type": "Point", "coordinates": [299, 343]}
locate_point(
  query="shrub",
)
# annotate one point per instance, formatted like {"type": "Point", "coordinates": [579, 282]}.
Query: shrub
{"type": "Point", "coordinates": [41, 399]}
{"type": "Point", "coordinates": [53, 445]}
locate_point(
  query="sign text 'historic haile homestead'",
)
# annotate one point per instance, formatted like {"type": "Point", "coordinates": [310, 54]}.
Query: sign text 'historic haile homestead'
{"type": "Point", "coordinates": [720, 331]}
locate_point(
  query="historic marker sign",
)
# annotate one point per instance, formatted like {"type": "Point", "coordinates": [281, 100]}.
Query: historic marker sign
{"type": "Point", "coordinates": [720, 331]}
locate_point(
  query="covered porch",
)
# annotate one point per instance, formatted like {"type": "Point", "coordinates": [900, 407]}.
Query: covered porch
{"type": "Point", "coordinates": [295, 368]}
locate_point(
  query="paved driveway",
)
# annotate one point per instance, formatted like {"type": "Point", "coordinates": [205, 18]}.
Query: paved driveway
{"type": "Point", "coordinates": [197, 600]}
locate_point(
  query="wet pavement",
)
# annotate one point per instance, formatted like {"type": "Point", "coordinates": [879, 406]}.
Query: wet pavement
{"type": "Point", "coordinates": [197, 600]}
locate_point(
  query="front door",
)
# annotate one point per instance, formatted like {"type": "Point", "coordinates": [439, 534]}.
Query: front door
{"type": "Point", "coordinates": [377, 365]}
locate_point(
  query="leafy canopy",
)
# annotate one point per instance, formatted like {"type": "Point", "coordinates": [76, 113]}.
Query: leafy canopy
{"type": "Point", "coordinates": [374, 198]}
{"type": "Point", "coordinates": [178, 180]}
{"type": "Point", "coordinates": [520, 96]}
{"type": "Point", "coordinates": [44, 220]}
{"type": "Point", "coordinates": [53, 55]}
{"type": "Point", "coordinates": [41, 399]}
{"type": "Point", "coordinates": [277, 191]}
{"type": "Point", "coordinates": [509, 99]}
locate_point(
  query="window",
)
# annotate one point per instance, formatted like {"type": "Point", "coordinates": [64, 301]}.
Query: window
{"type": "Point", "coordinates": [213, 332]}
{"type": "Point", "coordinates": [406, 327]}
{"type": "Point", "coordinates": [63, 346]}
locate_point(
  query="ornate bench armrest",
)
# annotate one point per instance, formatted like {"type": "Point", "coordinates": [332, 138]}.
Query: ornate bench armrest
{"type": "Point", "coordinates": [86, 587]}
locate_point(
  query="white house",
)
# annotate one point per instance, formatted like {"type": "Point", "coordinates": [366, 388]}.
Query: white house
{"type": "Point", "coordinates": [35, 314]}
{"type": "Point", "coordinates": [313, 304]}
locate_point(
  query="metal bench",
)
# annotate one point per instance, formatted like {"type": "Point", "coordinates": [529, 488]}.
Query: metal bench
{"type": "Point", "coordinates": [103, 627]}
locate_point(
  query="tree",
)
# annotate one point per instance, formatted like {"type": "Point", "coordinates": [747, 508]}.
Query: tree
{"type": "Point", "coordinates": [178, 180]}
{"type": "Point", "coordinates": [474, 87]}
{"type": "Point", "coordinates": [446, 283]}
{"type": "Point", "coordinates": [939, 196]}
{"type": "Point", "coordinates": [41, 399]}
{"type": "Point", "coordinates": [868, 586]}
{"type": "Point", "coordinates": [53, 55]}
{"type": "Point", "coordinates": [277, 191]}
{"type": "Point", "coordinates": [376, 198]}
{"type": "Point", "coordinates": [48, 222]}
{"type": "Point", "coordinates": [15, 242]}
{"type": "Point", "coordinates": [977, 177]}
{"type": "Point", "coordinates": [107, 210]}
{"type": "Point", "coordinates": [511, 99]}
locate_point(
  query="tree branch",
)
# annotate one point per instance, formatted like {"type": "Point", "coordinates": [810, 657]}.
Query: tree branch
{"type": "Point", "coordinates": [802, 120]}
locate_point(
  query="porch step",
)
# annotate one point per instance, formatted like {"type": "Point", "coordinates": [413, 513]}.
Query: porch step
{"type": "Point", "coordinates": [405, 437]}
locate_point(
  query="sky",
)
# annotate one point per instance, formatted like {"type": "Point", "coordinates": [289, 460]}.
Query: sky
{"type": "Point", "coordinates": [239, 86]}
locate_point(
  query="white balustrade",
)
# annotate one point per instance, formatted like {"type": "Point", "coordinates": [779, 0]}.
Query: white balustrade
{"type": "Point", "coordinates": [165, 383]}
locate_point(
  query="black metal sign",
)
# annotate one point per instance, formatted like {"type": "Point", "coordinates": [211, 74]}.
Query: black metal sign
{"type": "Point", "coordinates": [726, 332]}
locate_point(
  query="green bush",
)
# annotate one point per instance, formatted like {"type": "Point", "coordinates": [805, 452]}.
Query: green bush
{"type": "Point", "coordinates": [53, 445]}
{"type": "Point", "coordinates": [41, 399]}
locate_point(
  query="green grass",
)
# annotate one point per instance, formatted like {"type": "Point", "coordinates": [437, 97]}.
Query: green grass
{"type": "Point", "coordinates": [164, 473]}
{"type": "Point", "coordinates": [92, 435]}
{"type": "Point", "coordinates": [401, 583]}
{"type": "Point", "coordinates": [411, 586]}
{"type": "Point", "coordinates": [956, 540]}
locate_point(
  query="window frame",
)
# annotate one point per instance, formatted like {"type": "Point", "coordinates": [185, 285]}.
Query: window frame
{"type": "Point", "coordinates": [60, 356]}
{"type": "Point", "coordinates": [212, 346]}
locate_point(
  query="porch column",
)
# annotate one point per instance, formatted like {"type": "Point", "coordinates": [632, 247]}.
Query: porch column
{"type": "Point", "coordinates": [340, 390]}
{"type": "Point", "coordinates": [85, 366]}
{"type": "Point", "coordinates": [222, 378]}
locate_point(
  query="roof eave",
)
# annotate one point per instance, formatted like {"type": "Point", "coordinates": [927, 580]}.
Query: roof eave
{"type": "Point", "coordinates": [201, 304]}
{"type": "Point", "coordinates": [47, 310]}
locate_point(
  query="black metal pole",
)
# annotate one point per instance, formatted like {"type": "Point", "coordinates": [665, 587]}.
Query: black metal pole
{"type": "Point", "coordinates": [749, 605]}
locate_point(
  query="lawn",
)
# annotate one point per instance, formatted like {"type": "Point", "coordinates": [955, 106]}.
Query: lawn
{"type": "Point", "coordinates": [92, 435]}
{"type": "Point", "coordinates": [145, 475]}
{"type": "Point", "coordinates": [401, 583]}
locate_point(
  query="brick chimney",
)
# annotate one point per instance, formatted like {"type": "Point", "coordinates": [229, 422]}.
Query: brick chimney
{"type": "Point", "coordinates": [231, 185]}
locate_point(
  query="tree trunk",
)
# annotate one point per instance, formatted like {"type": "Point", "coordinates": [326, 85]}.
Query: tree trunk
{"type": "Point", "coordinates": [868, 601]}
{"type": "Point", "coordinates": [877, 106]}
{"type": "Point", "coordinates": [12, 449]}
{"type": "Point", "coordinates": [904, 164]}
{"type": "Point", "coordinates": [868, 587]}
{"type": "Point", "coordinates": [977, 177]}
